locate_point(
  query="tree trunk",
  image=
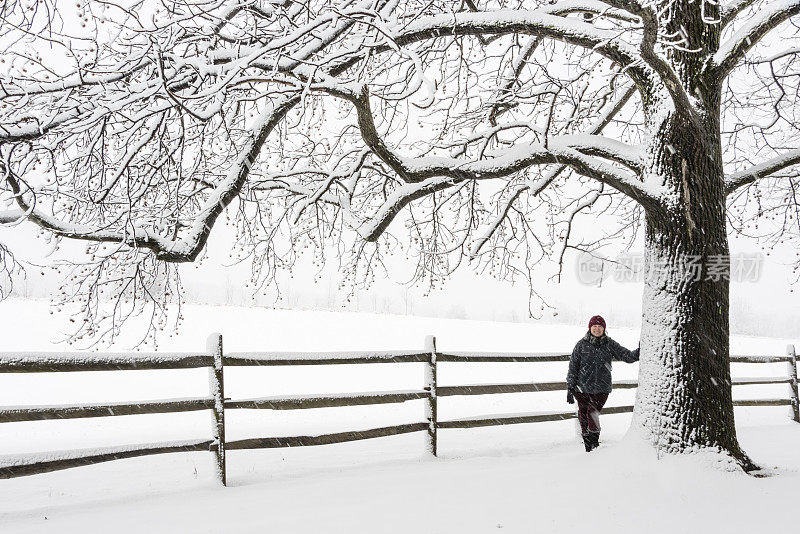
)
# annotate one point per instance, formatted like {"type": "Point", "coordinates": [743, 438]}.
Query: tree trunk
{"type": "Point", "coordinates": [684, 400]}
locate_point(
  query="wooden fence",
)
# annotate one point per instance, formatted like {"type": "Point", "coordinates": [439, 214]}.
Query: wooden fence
{"type": "Point", "coordinates": [215, 360]}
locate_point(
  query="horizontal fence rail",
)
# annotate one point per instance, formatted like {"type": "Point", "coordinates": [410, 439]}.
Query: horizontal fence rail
{"type": "Point", "coordinates": [215, 361]}
{"type": "Point", "coordinates": [533, 387]}
{"type": "Point", "coordinates": [11, 467]}
{"type": "Point", "coordinates": [324, 439]}
{"type": "Point", "coordinates": [762, 359]}
{"type": "Point", "coordinates": [297, 402]}
{"type": "Point", "coordinates": [38, 413]}
{"type": "Point", "coordinates": [45, 362]}
{"type": "Point", "coordinates": [481, 357]}
{"type": "Point", "coordinates": [510, 419]}
{"type": "Point", "coordinates": [764, 402]}
{"type": "Point", "coordinates": [322, 358]}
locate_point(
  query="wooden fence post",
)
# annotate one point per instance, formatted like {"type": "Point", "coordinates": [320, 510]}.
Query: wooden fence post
{"type": "Point", "coordinates": [790, 352]}
{"type": "Point", "coordinates": [217, 387]}
{"type": "Point", "coordinates": [430, 386]}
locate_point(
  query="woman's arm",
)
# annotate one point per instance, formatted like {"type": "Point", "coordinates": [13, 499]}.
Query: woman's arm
{"type": "Point", "coordinates": [621, 353]}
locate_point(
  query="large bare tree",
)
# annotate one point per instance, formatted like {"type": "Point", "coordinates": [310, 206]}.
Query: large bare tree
{"type": "Point", "coordinates": [480, 129]}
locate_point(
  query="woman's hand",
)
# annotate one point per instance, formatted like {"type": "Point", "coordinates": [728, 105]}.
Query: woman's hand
{"type": "Point", "coordinates": [570, 398]}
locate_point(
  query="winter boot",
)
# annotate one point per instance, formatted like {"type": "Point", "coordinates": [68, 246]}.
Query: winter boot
{"type": "Point", "coordinates": [594, 438]}
{"type": "Point", "coordinates": [588, 442]}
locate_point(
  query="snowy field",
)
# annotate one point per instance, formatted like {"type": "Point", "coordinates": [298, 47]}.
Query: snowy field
{"type": "Point", "coordinates": [517, 478]}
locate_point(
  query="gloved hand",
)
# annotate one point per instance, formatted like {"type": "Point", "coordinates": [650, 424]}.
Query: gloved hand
{"type": "Point", "coordinates": [570, 397]}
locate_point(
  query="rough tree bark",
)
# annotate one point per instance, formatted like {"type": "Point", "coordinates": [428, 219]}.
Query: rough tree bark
{"type": "Point", "coordinates": [684, 399]}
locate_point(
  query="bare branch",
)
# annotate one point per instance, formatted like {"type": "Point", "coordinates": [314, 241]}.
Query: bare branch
{"type": "Point", "coordinates": [539, 23]}
{"type": "Point", "coordinates": [587, 203]}
{"type": "Point", "coordinates": [188, 247]}
{"type": "Point", "coordinates": [537, 187]}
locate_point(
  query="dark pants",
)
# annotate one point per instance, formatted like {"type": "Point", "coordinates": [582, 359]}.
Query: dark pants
{"type": "Point", "coordinates": [589, 406]}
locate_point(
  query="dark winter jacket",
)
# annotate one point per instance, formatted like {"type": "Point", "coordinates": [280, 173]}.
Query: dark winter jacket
{"type": "Point", "coordinates": [590, 363]}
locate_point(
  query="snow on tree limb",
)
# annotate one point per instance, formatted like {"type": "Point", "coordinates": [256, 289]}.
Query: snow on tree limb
{"type": "Point", "coordinates": [435, 174]}
{"type": "Point", "coordinates": [538, 186]}
{"type": "Point", "coordinates": [652, 36]}
{"type": "Point", "coordinates": [426, 175]}
{"type": "Point", "coordinates": [503, 163]}
{"type": "Point", "coordinates": [644, 65]}
{"type": "Point", "coordinates": [751, 33]}
{"type": "Point", "coordinates": [762, 170]}
{"type": "Point", "coordinates": [561, 8]}
{"type": "Point", "coordinates": [532, 22]}
{"type": "Point", "coordinates": [188, 247]}
{"type": "Point", "coordinates": [730, 10]}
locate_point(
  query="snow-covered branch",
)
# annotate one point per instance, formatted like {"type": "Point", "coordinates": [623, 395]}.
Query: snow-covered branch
{"type": "Point", "coordinates": [431, 174]}
{"type": "Point", "coordinates": [731, 10]}
{"type": "Point", "coordinates": [187, 247]}
{"type": "Point", "coordinates": [606, 148]}
{"type": "Point", "coordinates": [514, 69]}
{"type": "Point", "coordinates": [652, 30]}
{"type": "Point", "coordinates": [751, 33]}
{"type": "Point", "coordinates": [134, 237]}
{"type": "Point", "coordinates": [536, 187]}
{"type": "Point", "coordinates": [539, 23]}
{"type": "Point", "coordinates": [762, 170]}
{"type": "Point", "coordinates": [501, 163]}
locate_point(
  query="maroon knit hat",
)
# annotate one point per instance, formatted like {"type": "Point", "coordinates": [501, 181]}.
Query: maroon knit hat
{"type": "Point", "coordinates": [597, 320]}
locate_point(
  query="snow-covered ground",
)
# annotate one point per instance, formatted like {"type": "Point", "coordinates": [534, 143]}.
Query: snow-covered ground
{"type": "Point", "coordinates": [530, 478]}
{"type": "Point", "coordinates": [518, 478]}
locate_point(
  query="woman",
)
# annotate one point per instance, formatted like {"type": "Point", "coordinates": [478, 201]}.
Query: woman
{"type": "Point", "coordinates": [589, 376]}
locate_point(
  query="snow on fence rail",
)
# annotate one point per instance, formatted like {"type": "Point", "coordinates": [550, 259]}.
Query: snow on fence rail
{"type": "Point", "coordinates": [215, 360]}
